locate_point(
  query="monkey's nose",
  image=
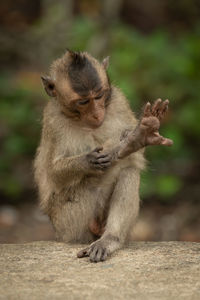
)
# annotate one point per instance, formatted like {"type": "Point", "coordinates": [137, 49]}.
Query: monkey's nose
{"type": "Point", "coordinates": [96, 117]}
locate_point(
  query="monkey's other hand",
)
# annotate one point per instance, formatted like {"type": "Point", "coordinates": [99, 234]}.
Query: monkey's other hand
{"type": "Point", "coordinates": [98, 160]}
{"type": "Point", "coordinates": [150, 123]}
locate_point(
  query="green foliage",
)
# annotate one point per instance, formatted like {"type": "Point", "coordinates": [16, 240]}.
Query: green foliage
{"type": "Point", "coordinates": [163, 186]}
{"type": "Point", "coordinates": [19, 135]}
{"type": "Point", "coordinates": [159, 66]}
{"type": "Point", "coordinates": [145, 68]}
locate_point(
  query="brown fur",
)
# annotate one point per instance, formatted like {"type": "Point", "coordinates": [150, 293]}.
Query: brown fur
{"type": "Point", "coordinates": [72, 193]}
{"type": "Point", "coordinates": [61, 139]}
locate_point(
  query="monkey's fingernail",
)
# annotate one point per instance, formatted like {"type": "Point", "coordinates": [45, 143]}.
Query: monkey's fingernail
{"type": "Point", "coordinates": [99, 149]}
{"type": "Point", "coordinates": [170, 142]}
{"type": "Point", "coordinates": [156, 133]}
{"type": "Point", "coordinates": [166, 101]}
{"type": "Point", "coordinates": [167, 142]}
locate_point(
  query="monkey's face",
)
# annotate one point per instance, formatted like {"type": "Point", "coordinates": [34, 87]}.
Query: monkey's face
{"type": "Point", "coordinates": [91, 108]}
{"type": "Point", "coordinates": [81, 86]}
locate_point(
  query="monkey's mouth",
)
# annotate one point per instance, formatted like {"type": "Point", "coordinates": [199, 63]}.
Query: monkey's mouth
{"type": "Point", "coordinates": [95, 125]}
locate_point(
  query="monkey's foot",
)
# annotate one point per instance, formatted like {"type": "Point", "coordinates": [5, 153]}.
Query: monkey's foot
{"type": "Point", "coordinates": [149, 124]}
{"type": "Point", "coordinates": [96, 252]}
{"type": "Point", "coordinates": [101, 249]}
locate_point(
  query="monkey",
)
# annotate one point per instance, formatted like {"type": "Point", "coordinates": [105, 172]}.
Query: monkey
{"type": "Point", "coordinates": [91, 153]}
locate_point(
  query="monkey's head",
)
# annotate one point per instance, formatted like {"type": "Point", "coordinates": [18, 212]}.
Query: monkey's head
{"type": "Point", "coordinates": [81, 86]}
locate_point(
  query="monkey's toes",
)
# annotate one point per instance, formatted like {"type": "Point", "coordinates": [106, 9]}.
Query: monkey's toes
{"type": "Point", "coordinates": [98, 254]}
{"type": "Point", "coordinates": [83, 253]}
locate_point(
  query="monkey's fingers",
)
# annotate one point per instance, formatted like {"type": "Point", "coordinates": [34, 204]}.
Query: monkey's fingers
{"type": "Point", "coordinates": [84, 252]}
{"type": "Point", "coordinates": [96, 157]}
{"type": "Point", "coordinates": [163, 109]}
{"type": "Point", "coordinates": [103, 159]}
{"type": "Point", "coordinates": [156, 107]}
{"type": "Point", "coordinates": [163, 141]}
{"type": "Point", "coordinates": [167, 142]}
{"type": "Point", "coordinates": [101, 156]}
{"type": "Point", "coordinates": [157, 139]}
{"type": "Point", "coordinates": [147, 110]}
{"type": "Point", "coordinates": [98, 149]}
{"type": "Point", "coordinates": [102, 166]}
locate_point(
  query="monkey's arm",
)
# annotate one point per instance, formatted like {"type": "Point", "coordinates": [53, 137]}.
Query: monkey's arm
{"type": "Point", "coordinates": [146, 132]}
{"type": "Point", "coordinates": [75, 167]}
{"type": "Point", "coordinates": [64, 167]}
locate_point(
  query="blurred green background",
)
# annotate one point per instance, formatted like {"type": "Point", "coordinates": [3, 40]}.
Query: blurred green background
{"type": "Point", "coordinates": [154, 49]}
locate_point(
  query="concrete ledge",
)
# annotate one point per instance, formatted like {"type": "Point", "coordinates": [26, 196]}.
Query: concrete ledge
{"type": "Point", "coordinates": [144, 270]}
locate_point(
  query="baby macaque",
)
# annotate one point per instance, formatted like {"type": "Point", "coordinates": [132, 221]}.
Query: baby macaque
{"type": "Point", "coordinates": [88, 163]}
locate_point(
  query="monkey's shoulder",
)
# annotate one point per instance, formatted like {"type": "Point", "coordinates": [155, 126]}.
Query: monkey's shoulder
{"type": "Point", "coordinates": [55, 122]}
{"type": "Point", "coordinates": [119, 117]}
{"type": "Point", "coordinates": [52, 115]}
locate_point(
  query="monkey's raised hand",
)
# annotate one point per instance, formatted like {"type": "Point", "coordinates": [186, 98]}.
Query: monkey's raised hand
{"type": "Point", "coordinates": [98, 160]}
{"type": "Point", "coordinates": [146, 133]}
{"type": "Point", "coordinates": [147, 129]}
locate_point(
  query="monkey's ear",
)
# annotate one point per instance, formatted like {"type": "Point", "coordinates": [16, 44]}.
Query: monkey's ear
{"type": "Point", "coordinates": [105, 62]}
{"type": "Point", "coordinates": [71, 53]}
{"type": "Point", "coordinates": [49, 85]}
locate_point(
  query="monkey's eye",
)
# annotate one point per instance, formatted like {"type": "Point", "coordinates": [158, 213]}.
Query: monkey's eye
{"type": "Point", "coordinates": [83, 102]}
{"type": "Point", "coordinates": [51, 86]}
{"type": "Point", "coordinates": [99, 96]}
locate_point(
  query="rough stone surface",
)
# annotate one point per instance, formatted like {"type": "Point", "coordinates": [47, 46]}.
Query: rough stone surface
{"type": "Point", "coordinates": [143, 270]}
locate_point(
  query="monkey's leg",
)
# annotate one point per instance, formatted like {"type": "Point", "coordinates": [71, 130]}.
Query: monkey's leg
{"type": "Point", "coordinates": [71, 219]}
{"type": "Point", "coordinates": [123, 211]}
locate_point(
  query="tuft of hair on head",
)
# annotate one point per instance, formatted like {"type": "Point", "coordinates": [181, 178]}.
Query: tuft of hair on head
{"type": "Point", "coordinates": [78, 59]}
{"type": "Point", "coordinates": [82, 72]}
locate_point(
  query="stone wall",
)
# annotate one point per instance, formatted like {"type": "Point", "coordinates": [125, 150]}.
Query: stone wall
{"type": "Point", "coordinates": [143, 270]}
